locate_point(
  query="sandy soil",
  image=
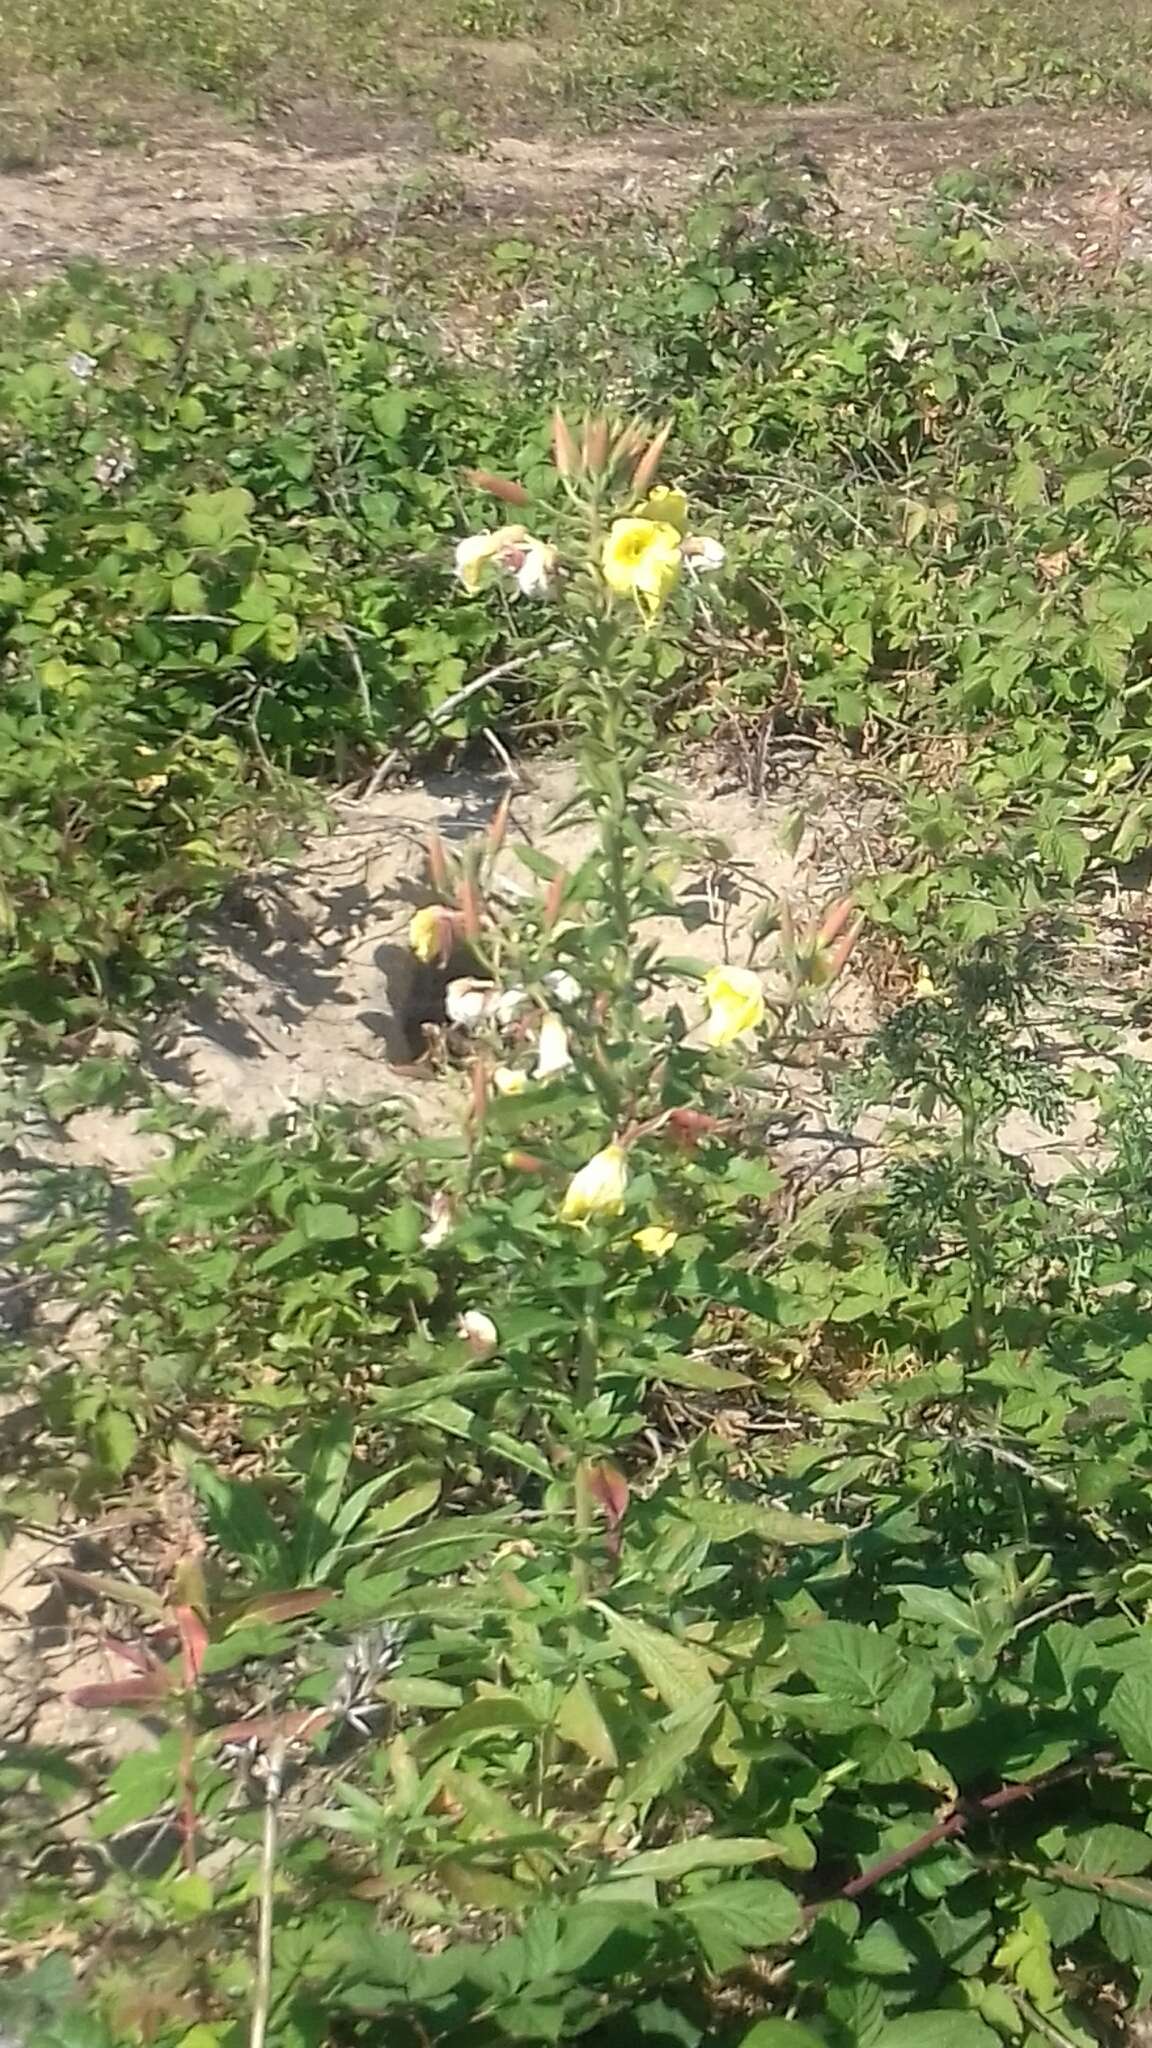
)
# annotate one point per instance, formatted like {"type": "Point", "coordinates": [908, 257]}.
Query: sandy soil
{"type": "Point", "coordinates": [204, 182]}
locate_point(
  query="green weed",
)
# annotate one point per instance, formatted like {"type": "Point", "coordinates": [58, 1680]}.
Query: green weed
{"type": "Point", "coordinates": [619, 1592]}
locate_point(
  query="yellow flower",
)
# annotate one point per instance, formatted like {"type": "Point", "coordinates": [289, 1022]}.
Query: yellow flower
{"type": "Point", "coordinates": [598, 1188]}
{"type": "Point", "coordinates": [668, 505]}
{"type": "Point", "coordinates": [735, 1003]}
{"type": "Point", "coordinates": [431, 932]}
{"type": "Point", "coordinates": [509, 1081]}
{"type": "Point", "coordinates": [641, 560]}
{"type": "Point", "coordinates": [478, 549]}
{"type": "Point", "coordinates": [654, 1240]}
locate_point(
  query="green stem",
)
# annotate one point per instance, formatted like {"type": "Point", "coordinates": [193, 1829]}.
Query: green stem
{"type": "Point", "coordinates": [587, 1362]}
{"type": "Point", "coordinates": [976, 1244]}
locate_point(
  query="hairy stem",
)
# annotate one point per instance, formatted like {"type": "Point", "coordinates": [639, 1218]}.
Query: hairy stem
{"type": "Point", "coordinates": [262, 1986]}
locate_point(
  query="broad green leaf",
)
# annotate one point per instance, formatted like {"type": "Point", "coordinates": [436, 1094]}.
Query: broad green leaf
{"type": "Point", "coordinates": [479, 1717]}
{"type": "Point", "coordinates": [730, 1919]}
{"type": "Point", "coordinates": [782, 2034]}
{"type": "Point", "coordinates": [848, 1661]}
{"type": "Point", "coordinates": [140, 1785]}
{"type": "Point", "coordinates": [692, 1372]}
{"type": "Point", "coordinates": [115, 1439]}
{"type": "Point", "coordinates": [939, 2030]}
{"type": "Point", "coordinates": [676, 1670]}
{"type": "Point", "coordinates": [325, 1222]}
{"type": "Point", "coordinates": [1129, 1715]}
{"type": "Point", "coordinates": [1110, 1850]}
{"type": "Point", "coordinates": [241, 1523]}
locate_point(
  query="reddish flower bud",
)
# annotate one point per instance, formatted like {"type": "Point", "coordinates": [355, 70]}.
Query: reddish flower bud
{"type": "Point", "coordinates": [649, 462]}
{"type": "Point", "coordinates": [834, 920]}
{"type": "Point", "coordinates": [438, 864]}
{"type": "Point", "coordinates": [554, 897]}
{"type": "Point", "coordinates": [840, 954]}
{"type": "Point", "coordinates": [686, 1127]}
{"type": "Point", "coordinates": [471, 906]}
{"type": "Point", "coordinates": [564, 453]}
{"type": "Point", "coordinates": [498, 486]}
{"type": "Point", "coordinates": [498, 825]}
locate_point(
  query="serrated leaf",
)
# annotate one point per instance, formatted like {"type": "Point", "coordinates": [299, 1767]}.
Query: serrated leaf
{"type": "Point", "coordinates": [848, 1661]}
{"type": "Point", "coordinates": [782, 2034]}
{"type": "Point", "coordinates": [730, 1919]}
{"type": "Point", "coordinates": [939, 2030]}
{"type": "Point", "coordinates": [1128, 1715]}
{"type": "Point", "coordinates": [677, 1671]}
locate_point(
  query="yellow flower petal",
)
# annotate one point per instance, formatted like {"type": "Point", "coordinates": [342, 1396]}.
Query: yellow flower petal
{"type": "Point", "coordinates": [509, 1081]}
{"type": "Point", "coordinates": [668, 505]}
{"type": "Point", "coordinates": [599, 1187]}
{"type": "Point", "coordinates": [641, 560]}
{"type": "Point", "coordinates": [735, 1004]}
{"type": "Point", "coordinates": [654, 1240]}
{"type": "Point", "coordinates": [430, 933]}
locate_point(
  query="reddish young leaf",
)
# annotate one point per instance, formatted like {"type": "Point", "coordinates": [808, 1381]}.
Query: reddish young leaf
{"type": "Point", "coordinates": [193, 1642]}
{"type": "Point", "coordinates": [127, 1692]}
{"type": "Point", "coordinates": [609, 1489]}
{"type": "Point", "coordinates": [137, 1655]}
{"type": "Point", "coordinates": [272, 1727]}
{"type": "Point", "coordinates": [284, 1606]}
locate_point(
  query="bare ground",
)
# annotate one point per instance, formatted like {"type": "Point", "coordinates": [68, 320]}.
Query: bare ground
{"type": "Point", "coordinates": [203, 182]}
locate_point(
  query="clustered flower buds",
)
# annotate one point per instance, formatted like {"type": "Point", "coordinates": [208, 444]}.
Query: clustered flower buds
{"type": "Point", "coordinates": [644, 554]}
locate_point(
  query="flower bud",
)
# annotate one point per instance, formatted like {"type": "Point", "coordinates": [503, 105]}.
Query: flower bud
{"type": "Point", "coordinates": [599, 1187]}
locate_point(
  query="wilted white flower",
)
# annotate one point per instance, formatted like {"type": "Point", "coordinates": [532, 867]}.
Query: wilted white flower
{"type": "Point", "coordinates": [703, 555]}
{"type": "Point", "coordinates": [563, 986]}
{"type": "Point", "coordinates": [476, 550]}
{"type": "Point", "coordinates": [536, 570]}
{"type": "Point", "coordinates": [468, 1002]}
{"type": "Point", "coordinates": [441, 1219]}
{"type": "Point", "coordinates": [508, 1003]}
{"type": "Point", "coordinates": [552, 1054]}
{"type": "Point", "coordinates": [478, 1331]}
{"type": "Point", "coordinates": [82, 365]}
{"type": "Point", "coordinates": [115, 465]}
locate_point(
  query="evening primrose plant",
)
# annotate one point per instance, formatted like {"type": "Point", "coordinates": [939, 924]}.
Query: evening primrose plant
{"type": "Point", "coordinates": [608, 1076]}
